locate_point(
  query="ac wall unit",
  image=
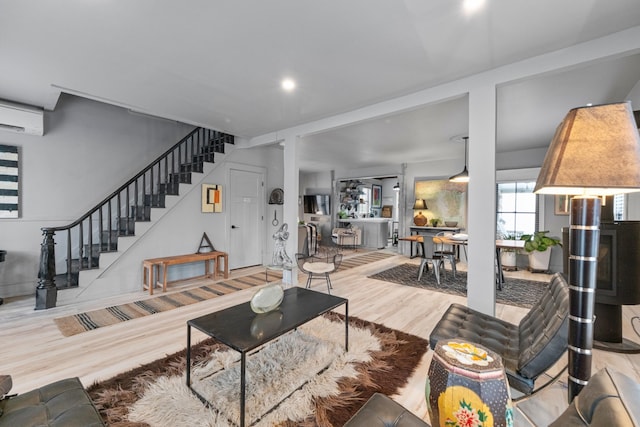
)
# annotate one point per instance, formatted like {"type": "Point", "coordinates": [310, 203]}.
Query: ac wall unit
{"type": "Point", "coordinates": [21, 118]}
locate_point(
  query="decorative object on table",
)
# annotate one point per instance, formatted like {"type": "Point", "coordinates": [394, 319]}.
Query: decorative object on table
{"type": "Point", "coordinates": [268, 298]}
{"type": "Point", "coordinates": [276, 197]}
{"type": "Point", "coordinates": [419, 205]}
{"type": "Point", "coordinates": [538, 245]}
{"type": "Point", "coordinates": [451, 224]}
{"type": "Point", "coordinates": [211, 198]}
{"type": "Point", "coordinates": [434, 222]}
{"type": "Point", "coordinates": [594, 153]}
{"type": "Point", "coordinates": [205, 245]}
{"type": "Point", "coordinates": [464, 175]}
{"type": "Point", "coordinates": [466, 386]}
{"type": "Point", "coordinates": [9, 182]}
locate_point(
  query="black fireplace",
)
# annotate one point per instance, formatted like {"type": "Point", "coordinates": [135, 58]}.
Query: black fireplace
{"type": "Point", "coordinates": [618, 282]}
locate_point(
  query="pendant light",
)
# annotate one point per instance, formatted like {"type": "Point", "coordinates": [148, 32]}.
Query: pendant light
{"type": "Point", "coordinates": [464, 175]}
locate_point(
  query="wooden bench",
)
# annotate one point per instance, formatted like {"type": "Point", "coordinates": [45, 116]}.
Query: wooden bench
{"type": "Point", "coordinates": [151, 267]}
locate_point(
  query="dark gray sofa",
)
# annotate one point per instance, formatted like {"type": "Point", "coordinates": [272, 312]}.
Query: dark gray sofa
{"type": "Point", "coordinates": [64, 403]}
{"type": "Point", "coordinates": [609, 399]}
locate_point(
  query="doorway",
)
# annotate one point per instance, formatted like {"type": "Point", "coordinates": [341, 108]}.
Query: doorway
{"type": "Point", "coordinates": [246, 200]}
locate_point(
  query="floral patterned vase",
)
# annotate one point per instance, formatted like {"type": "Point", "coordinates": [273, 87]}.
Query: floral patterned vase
{"type": "Point", "coordinates": [467, 387]}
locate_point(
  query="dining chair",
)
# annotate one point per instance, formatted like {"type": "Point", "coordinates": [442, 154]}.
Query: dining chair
{"type": "Point", "coordinates": [429, 257]}
{"type": "Point", "coordinates": [445, 251]}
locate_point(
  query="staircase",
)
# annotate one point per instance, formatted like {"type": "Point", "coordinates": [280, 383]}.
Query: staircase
{"type": "Point", "coordinates": [79, 245]}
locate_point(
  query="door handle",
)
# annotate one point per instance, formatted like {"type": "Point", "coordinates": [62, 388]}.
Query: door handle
{"type": "Point", "coordinates": [233, 226]}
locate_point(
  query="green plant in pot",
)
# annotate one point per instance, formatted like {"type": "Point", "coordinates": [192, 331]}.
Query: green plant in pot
{"type": "Point", "coordinates": [538, 245]}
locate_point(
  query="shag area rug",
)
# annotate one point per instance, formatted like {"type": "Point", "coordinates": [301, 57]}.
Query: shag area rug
{"type": "Point", "coordinates": [302, 379]}
{"type": "Point", "coordinates": [87, 321]}
{"type": "Point", "coordinates": [518, 292]}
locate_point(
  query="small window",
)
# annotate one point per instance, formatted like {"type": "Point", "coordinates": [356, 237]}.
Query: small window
{"type": "Point", "coordinates": [618, 207]}
{"type": "Point", "coordinates": [517, 209]}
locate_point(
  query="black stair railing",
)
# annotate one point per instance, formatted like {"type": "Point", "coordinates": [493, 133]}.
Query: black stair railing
{"type": "Point", "coordinates": [98, 230]}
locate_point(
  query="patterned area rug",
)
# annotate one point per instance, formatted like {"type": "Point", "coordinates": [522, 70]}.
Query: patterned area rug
{"type": "Point", "coordinates": [380, 360]}
{"type": "Point", "coordinates": [87, 321]}
{"type": "Point", "coordinates": [518, 292]}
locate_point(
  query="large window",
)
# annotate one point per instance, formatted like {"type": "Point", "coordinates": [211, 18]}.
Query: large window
{"type": "Point", "coordinates": [516, 210]}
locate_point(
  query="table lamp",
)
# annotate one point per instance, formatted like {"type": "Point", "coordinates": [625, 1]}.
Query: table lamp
{"type": "Point", "coordinates": [595, 152]}
{"type": "Point", "coordinates": [419, 219]}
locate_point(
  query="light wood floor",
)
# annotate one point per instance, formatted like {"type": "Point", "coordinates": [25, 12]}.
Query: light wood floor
{"type": "Point", "coordinates": [34, 352]}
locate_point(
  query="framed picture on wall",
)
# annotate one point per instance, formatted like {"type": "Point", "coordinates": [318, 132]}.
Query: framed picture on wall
{"type": "Point", "coordinates": [376, 196]}
{"type": "Point", "coordinates": [562, 204]}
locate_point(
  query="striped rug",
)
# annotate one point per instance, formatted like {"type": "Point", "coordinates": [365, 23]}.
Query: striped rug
{"type": "Point", "coordinates": [87, 321]}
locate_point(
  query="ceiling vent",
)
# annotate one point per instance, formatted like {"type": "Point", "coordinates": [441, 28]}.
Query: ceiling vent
{"type": "Point", "coordinates": [21, 118]}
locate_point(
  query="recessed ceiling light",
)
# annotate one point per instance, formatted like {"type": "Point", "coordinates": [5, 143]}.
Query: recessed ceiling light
{"type": "Point", "coordinates": [471, 6]}
{"type": "Point", "coordinates": [288, 85]}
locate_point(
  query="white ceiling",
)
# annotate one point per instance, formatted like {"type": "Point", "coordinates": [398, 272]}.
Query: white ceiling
{"type": "Point", "coordinates": [219, 64]}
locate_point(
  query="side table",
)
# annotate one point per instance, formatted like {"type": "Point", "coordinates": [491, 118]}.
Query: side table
{"type": "Point", "coordinates": [467, 385]}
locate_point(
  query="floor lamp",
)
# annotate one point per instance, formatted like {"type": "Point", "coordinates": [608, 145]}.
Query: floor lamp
{"type": "Point", "coordinates": [595, 152]}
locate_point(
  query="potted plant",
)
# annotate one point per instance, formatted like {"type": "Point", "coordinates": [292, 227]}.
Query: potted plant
{"type": "Point", "coordinates": [538, 246]}
{"type": "Point", "coordinates": [508, 256]}
{"type": "Point", "coordinates": [434, 222]}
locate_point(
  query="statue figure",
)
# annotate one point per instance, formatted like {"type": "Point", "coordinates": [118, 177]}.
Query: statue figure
{"type": "Point", "coordinates": [280, 256]}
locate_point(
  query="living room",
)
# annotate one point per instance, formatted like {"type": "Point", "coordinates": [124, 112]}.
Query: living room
{"type": "Point", "coordinates": [59, 181]}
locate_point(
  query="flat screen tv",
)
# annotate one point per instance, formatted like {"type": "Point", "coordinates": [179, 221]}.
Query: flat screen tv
{"type": "Point", "coordinates": [319, 204]}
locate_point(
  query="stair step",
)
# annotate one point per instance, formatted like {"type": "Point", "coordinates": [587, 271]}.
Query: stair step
{"type": "Point", "coordinates": [192, 167]}
{"type": "Point", "coordinates": [100, 247]}
{"type": "Point", "coordinates": [64, 281]}
{"type": "Point", "coordinates": [170, 188]}
{"type": "Point", "coordinates": [104, 241]}
{"type": "Point", "coordinates": [127, 227]}
{"type": "Point", "coordinates": [204, 157]}
{"type": "Point", "coordinates": [214, 147]}
{"type": "Point", "coordinates": [154, 200]}
{"type": "Point", "coordinates": [181, 177]}
{"type": "Point", "coordinates": [84, 264]}
{"type": "Point", "coordinates": [141, 213]}
{"type": "Point", "coordinates": [222, 139]}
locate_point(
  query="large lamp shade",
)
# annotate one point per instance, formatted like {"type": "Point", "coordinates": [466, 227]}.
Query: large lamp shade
{"type": "Point", "coordinates": [594, 152]}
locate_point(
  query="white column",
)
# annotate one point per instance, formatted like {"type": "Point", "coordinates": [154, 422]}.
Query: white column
{"type": "Point", "coordinates": [291, 191]}
{"type": "Point", "coordinates": [481, 224]}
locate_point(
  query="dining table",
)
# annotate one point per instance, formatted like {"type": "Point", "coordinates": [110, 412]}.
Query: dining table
{"type": "Point", "coordinates": [500, 244]}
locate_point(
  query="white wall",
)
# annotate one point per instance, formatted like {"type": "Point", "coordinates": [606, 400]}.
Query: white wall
{"type": "Point", "coordinates": [88, 150]}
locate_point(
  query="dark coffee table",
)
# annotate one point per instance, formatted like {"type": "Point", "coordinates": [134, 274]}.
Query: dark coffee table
{"type": "Point", "coordinates": [243, 330]}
